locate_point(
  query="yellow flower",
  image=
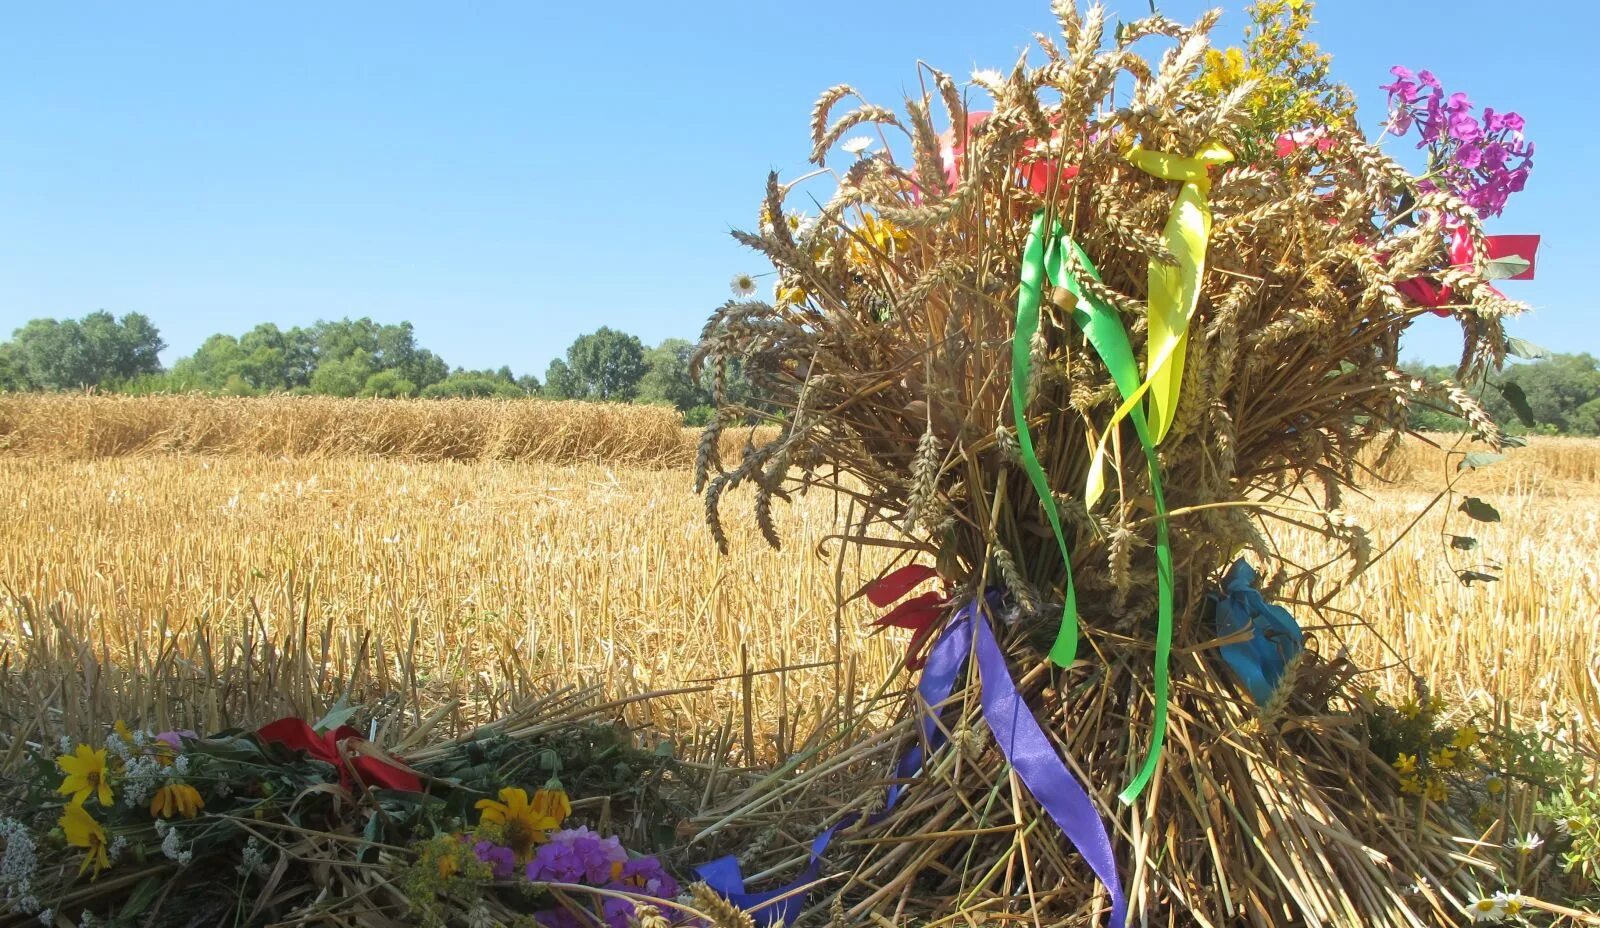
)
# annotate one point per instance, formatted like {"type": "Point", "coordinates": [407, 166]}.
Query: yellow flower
{"type": "Point", "coordinates": [1409, 709]}
{"type": "Point", "coordinates": [83, 831]}
{"type": "Point", "coordinates": [521, 825]}
{"type": "Point", "coordinates": [1405, 763]}
{"type": "Point", "coordinates": [121, 728]}
{"type": "Point", "coordinates": [881, 236]}
{"type": "Point", "coordinates": [1437, 791]}
{"type": "Point", "coordinates": [176, 799]}
{"type": "Point", "coordinates": [1494, 786]}
{"type": "Point", "coordinates": [552, 802]}
{"type": "Point", "coordinates": [1411, 785]}
{"type": "Point", "coordinates": [448, 867]}
{"type": "Point", "coordinates": [1466, 737]}
{"type": "Point", "coordinates": [790, 295]}
{"type": "Point", "coordinates": [1444, 758]}
{"type": "Point", "coordinates": [86, 775]}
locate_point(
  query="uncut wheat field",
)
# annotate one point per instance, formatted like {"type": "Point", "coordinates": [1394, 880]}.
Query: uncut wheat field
{"type": "Point", "coordinates": [218, 584]}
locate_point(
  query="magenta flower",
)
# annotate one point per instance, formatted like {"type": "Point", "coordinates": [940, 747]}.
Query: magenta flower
{"type": "Point", "coordinates": [1483, 163]}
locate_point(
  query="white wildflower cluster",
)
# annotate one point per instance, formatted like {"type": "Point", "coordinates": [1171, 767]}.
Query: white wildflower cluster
{"type": "Point", "coordinates": [254, 858]}
{"type": "Point", "coordinates": [141, 777]}
{"type": "Point", "coordinates": [64, 744]}
{"type": "Point", "coordinates": [17, 867]}
{"type": "Point", "coordinates": [48, 917]}
{"type": "Point", "coordinates": [117, 747]}
{"type": "Point", "coordinates": [180, 765]}
{"type": "Point", "coordinates": [170, 846]}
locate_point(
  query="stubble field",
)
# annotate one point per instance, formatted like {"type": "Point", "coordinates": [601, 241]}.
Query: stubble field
{"type": "Point", "coordinates": [218, 589]}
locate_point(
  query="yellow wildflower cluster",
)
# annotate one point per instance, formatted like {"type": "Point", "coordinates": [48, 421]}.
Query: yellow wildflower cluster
{"type": "Point", "coordinates": [1292, 88]}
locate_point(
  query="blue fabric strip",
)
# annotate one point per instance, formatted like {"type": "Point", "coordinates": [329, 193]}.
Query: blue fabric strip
{"type": "Point", "coordinates": [1260, 660]}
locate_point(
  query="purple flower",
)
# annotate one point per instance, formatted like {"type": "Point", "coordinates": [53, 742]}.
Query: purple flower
{"type": "Point", "coordinates": [502, 860]}
{"type": "Point", "coordinates": [577, 855]}
{"type": "Point", "coordinates": [646, 876]}
{"type": "Point", "coordinates": [174, 739]}
{"type": "Point", "coordinates": [1428, 80]}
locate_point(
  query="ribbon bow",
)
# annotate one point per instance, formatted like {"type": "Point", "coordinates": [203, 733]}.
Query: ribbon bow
{"type": "Point", "coordinates": [1173, 294]}
{"type": "Point", "coordinates": [357, 761]}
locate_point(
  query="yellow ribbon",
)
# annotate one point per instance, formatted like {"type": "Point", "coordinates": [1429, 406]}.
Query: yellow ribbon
{"type": "Point", "coordinates": [1174, 292]}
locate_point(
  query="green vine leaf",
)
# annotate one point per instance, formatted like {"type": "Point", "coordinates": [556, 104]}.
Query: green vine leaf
{"type": "Point", "coordinates": [1524, 349]}
{"type": "Point", "coordinates": [1463, 542]}
{"type": "Point", "coordinates": [1479, 459]}
{"type": "Point", "coordinates": [1518, 401]}
{"type": "Point", "coordinates": [1478, 510]}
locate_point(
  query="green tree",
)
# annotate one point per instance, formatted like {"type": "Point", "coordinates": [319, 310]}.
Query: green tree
{"type": "Point", "coordinates": [667, 380]}
{"type": "Point", "coordinates": [606, 365]}
{"type": "Point", "coordinates": [12, 376]}
{"type": "Point", "coordinates": [342, 376]}
{"type": "Point", "coordinates": [560, 383]}
{"type": "Point", "coordinates": [388, 384]}
{"type": "Point", "coordinates": [472, 383]}
{"type": "Point", "coordinates": [97, 350]}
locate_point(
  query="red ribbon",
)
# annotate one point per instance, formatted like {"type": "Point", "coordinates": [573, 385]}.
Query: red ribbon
{"type": "Point", "coordinates": [339, 748]}
{"type": "Point", "coordinates": [1428, 292]}
{"type": "Point", "coordinates": [918, 614]}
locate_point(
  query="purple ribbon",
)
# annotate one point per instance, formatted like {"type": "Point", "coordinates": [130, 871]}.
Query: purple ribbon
{"type": "Point", "coordinates": [783, 905]}
{"type": "Point", "coordinates": [1034, 758]}
{"type": "Point", "coordinates": [1021, 740]}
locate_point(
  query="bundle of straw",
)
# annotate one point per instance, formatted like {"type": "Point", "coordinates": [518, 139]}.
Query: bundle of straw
{"type": "Point", "coordinates": [887, 360]}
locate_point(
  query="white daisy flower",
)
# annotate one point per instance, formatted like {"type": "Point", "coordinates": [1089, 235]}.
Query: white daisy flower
{"type": "Point", "coordinates": [742, 285]}
{"type": "Point", "coordinates": [857, 146]}
{"type": "Point", "coordinates": [1486, 909]}
{"type": "Point", "coordinates": [1526, 844]}
{"type": "Point", "coordinates": [1511, 902]}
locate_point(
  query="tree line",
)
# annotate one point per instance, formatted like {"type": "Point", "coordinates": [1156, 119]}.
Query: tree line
{"type": "Point", "coordinates": [1557, 394]}
{"type": "Point", "coordinates": [347, 357]}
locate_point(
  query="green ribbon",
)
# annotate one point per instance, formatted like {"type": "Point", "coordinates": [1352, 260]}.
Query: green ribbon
{"type": "Point", "coordinates": [1103, 327]}
{"type": "Point", "coordinates": [1029, 295]}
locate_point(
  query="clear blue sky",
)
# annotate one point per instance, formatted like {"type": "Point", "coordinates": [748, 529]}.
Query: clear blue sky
{"type": "Point", "coordinates": [510, 175]}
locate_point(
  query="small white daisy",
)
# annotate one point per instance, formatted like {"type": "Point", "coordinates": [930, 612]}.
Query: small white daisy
{"type": "Point", "coordinates": [742, 285]}
{"type": "Point", "coordinates": [1511, 902]}
{"type": "Point", "coordinates": [1486, 908]}
{"type": "Point", "coordinates": [1527, 844]}
{"type": "Point", "coordinates": [857, 146]}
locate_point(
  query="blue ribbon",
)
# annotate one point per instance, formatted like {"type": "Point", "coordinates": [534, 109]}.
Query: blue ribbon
{"type": "Point", "coordinates": [1260, 660]}
{"type": "Point", "coordinates": [1021, 740]}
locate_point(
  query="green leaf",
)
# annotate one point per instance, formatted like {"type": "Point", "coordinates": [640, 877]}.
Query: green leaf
{"type": "Point", "coordinates": [1526, 350]}
{"type": "Point", "coordinates": [1513, 441]}
{"type": "Point", "coordinates": [1463, 542]}
{"type": "Point", "coordinates": [143, 894]}
{"type": "Point", "coordinates": [1477, 459]}
{"type": "Point", "coordinates": [1505, 268]}
{"type": "Point", "coordinates": [1469, 577]}
{"type": "Point", "coordinates": [1518, 401]}
{"type": "Point", "coordinates": [1479, 510]}
{"type": "Point", "coordinates": [338, 715]}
